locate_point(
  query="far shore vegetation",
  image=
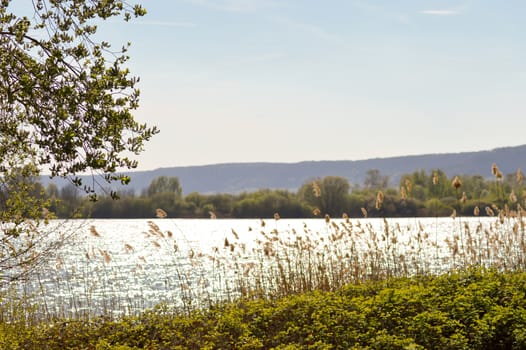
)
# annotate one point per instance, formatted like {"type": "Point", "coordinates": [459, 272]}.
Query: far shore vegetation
{"type": "Point", "coordinates": [419, 194]}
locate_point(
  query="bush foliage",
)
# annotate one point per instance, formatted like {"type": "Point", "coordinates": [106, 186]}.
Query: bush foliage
{"type": "Point", "coordinates": [472, 309]}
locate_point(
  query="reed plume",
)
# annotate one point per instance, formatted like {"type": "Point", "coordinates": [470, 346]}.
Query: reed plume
{"type": "Point", "coordinates": [161, 214]}
{"type": "Point", "coordinates": [457, 183]}
{"type": "Point", "coordinates": [489, 211]}
{"type": "Point", "coordinates": [513, 197]}
{"type": "Point", "coordinates": [403, 193]}
{"type": "Point", "coordinates": [93, 231]}
{"type": "Point", "coordinates": [408, 186]}
{"type": "Point", "coordinates": [494, 169]}
{"type": "Point", "coordinates": [316, 190]}
{"type": "Point", "coordinates": [435, 179]}
{"type": "Point", "coordinates": [364, 212]}
{"type": "Point", "coordinates": [379, 200]}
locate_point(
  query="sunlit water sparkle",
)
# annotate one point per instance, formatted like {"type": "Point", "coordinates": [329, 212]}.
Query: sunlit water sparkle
{"type": "Point", "coordinates": [127, 267]}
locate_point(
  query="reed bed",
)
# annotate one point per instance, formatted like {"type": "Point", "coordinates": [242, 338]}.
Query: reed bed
{"type": "Point", "coordinates": [287, 262]}
{"type": "Point", "coordinates": [277, 261]}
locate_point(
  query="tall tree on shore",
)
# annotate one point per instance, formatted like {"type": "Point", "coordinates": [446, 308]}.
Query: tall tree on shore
{"type": "Point", "coordinates": [374, 180]}
{"type": "Point", "coordinates": [328, 195]}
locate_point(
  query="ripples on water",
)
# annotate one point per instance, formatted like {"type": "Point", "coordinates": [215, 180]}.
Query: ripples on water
{"type": "Point", "coordinates": [118, 267]}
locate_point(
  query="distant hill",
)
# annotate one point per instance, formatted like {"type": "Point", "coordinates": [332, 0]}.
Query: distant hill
{"type": "Point", "coordinates": [239, 177]}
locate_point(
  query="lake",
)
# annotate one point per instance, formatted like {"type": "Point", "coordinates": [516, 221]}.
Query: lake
{"type": "Point", "coordinates": [115, 267]}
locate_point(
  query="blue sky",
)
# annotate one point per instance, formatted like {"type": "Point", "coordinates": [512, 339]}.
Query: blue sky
{"type": "Point", "coordinates": [293, 80]}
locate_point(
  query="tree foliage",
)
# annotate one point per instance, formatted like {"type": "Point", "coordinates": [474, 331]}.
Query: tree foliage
{"type": "Point", "coordinates": [66, 100]}
{"type": "Point", "coordinates": [66, 103]}
{"type": "Point", "coordinates": [374, 180]}
{"type": "Point", "coordinates": [328, 194]}
{"type": "Point", "coordinates": [165, 184]}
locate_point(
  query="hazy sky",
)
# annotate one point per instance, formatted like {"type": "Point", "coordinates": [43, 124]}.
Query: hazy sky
{"type": "Point", "coordinates": [294, 80]}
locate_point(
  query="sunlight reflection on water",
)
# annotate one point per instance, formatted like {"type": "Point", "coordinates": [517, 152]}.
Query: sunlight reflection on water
{"type": "Point", "coordinates": [124, 266]}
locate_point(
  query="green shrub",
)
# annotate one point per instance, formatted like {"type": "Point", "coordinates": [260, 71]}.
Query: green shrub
{"type": "Point", "coordinates": [474, 309]}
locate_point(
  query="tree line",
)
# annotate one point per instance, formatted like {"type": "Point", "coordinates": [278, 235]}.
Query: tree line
{"type": "Point", "coordinates": [419, 194]}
